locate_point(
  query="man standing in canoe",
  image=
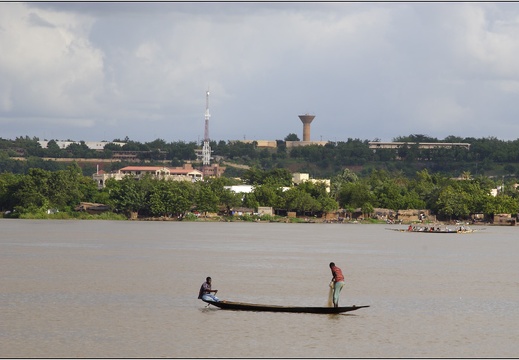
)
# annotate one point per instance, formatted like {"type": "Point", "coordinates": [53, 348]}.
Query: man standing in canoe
{"type": "Point", "coordinates": [205, 291]}
{"type": "Point", "coordinates": [338, 283]}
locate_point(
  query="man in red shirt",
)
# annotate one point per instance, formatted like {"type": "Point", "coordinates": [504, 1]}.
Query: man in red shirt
{"type": "Point", "coordinates": [338, 283]}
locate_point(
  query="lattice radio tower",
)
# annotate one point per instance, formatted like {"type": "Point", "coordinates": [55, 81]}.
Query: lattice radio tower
{"type": "Point", "coordinates": [206, 149]}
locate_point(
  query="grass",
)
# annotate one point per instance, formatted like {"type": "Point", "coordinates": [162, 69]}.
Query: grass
{"type": "Point", "coordinates": [75, 215]}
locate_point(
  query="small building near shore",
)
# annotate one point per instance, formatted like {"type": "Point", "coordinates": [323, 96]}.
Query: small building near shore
{"type": "Point", "coordinates": [414, 215]}
{"type": "Point", "coordinates": [298, 178]}
{"type": "Point", "coordinates": [265, 210]}
{"type": "Point", "coordinates": [504, 219]}
{"type": "Point", "coordinates": [240, 211]}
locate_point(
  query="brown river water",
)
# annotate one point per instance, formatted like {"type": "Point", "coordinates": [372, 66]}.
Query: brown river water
{"type": "Point", "coordinates": [129, 289]}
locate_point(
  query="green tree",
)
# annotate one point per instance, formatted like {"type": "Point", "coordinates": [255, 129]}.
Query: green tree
{"type": "Point", "coordinates": [8, 185]}
{"type": "Point", "coordinates": [126, 195]}
{"type": "Point", "coordinates": [53, 150]}
{"type": "Point", "coordinates": [411, 200]}
{"type": "Point", "coordinates": [227, 198]}
{"type": "Point", "coordinates": [250, 201]}
{"type": "Point", "coordinates": [267, 195]}
{"type": "Point", "coordinates": [31, 146]}
{"type": "Point", "coordinates": [170, 198]}
{"type": "Point", "coordinates": [159, 199]}
{"type": "Point", "coordinates": [390, 196]}
{"type": "Point", "coordinates": [230, 199]}
{"type": "Point", "coordinates": [346, 176]}
{"type": "Point", "coordinates": [356, 195]}
{"type": "Point", "coordinates": [292, 137]}
{"type": "Point", "coordinates": [501, 204]}
{"type": "Point", "coordinates": [300, 201]}
{"type": "Point", "coordinates": [80, 150]}
{"type": "Point", "coordinates": [183, 200]}
{"type": "Point", "coordinates": [428, 187]}
{"type": "Point", "coordinates": [31, 192]}
{"type": "Point", "coordinates": [279, 177]}
{"type": "Point", "coordinates": [253, 176]}
{"type": "Point", "coordinates": [274, 177]}
{"type": "Point", "coordinates": [367, 209]}
{"type": "Point", "coordinates": [205, 198]}
{"type": "Point", "coordinates": [327, 204]}
{"type": "Point", "coordinates": [66, 188]}
{"type": "Point", "coordinates": [453, 202]}
{"type": "Point", "coordinates": [309, 197]}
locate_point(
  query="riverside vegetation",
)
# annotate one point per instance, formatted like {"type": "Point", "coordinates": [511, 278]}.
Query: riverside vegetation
{"type": "Point", "coordinates": [360, 179]}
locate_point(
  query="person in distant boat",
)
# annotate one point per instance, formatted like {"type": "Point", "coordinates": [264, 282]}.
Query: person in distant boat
{"type": "Point", "coordinates": [205, 291]}
{"type": "Point", "coordinates": [338, 283]}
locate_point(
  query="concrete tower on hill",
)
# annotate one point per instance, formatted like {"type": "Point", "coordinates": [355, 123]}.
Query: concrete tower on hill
{"type": "Point", "coordinates": [306, 119]}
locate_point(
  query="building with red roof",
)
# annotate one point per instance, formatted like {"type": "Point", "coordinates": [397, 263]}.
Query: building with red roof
{"type": "Point", "coordinates": [185, 173]}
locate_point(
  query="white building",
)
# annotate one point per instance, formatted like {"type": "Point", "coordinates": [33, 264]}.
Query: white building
{"type": "Point", "coordinates": [240, 189]}
{"type": "Point", "coordinates": [298, 178]}
{"type": "Point", "coordinates": [186, 173]}
{"type": "Point", "coordinates": [94, 145]}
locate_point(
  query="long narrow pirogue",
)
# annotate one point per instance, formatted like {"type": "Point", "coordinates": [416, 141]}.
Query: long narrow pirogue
{"type": "Point", "coordinates": [436, 230]}
{"type": "Point", "coordinates": [231, 305]}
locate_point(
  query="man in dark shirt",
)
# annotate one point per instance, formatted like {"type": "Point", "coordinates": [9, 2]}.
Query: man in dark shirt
{"type": "Point", "coordinates": [205, 291]}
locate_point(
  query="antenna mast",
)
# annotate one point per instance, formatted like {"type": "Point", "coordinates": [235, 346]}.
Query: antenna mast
{"type": "Point", "coordinates": [206, 149]}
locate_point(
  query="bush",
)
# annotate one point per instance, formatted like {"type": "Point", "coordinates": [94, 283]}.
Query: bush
{"type": "Point", "coordinates": [247, 217]}
{"type": "Point", "coordinates": [266, 217]}
{"type": "Point", "coordinates": [42, 215]}
{"type": "Point", "coordinates": [190, 217]}
{"type": "Point", "coordinates": [296, 220]}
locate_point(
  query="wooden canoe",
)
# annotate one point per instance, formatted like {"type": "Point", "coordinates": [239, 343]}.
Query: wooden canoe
{"type": "Point", "coordinates": [231, 305]}
{"type": "Point", "coordinates": [437, 231]}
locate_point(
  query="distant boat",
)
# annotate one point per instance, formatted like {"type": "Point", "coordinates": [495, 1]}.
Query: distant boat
{"type": "Point", "coordinates": [230, 305]}
{"type": "Point", "coordinates": [432, 229]}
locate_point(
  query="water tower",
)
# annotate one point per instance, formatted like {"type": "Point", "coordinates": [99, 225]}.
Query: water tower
{"type": "Point", "coordinates": [307, 120]}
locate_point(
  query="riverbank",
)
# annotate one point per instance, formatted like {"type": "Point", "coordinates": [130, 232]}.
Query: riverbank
{"type": "Point", "coordinates": [78, 215]}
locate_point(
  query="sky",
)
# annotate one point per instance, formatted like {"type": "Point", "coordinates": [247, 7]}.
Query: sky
{"type": "Point", "coordinates": [99, 71]}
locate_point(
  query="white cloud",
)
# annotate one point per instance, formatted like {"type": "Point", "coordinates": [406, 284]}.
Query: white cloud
{"type": "Point", "coordinates": [487, 40]}
{"type": "Point", "coordinates": [366, 70]}
{"type": "Point", "coordinates": [48, 64]}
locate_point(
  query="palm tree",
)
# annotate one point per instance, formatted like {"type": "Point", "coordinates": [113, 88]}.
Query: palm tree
{"type": "Point", "coordinates": [466, 175]}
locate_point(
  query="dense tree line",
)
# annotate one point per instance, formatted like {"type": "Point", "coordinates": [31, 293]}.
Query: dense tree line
{"type": "Point", "coordinates": [487, 156]}
{"type": "Point", "coordinates": [406, 178]}
{"type": "Point", "coordinates": [40, 190]}
{"type": "Point", "coordinates": [447, 197]}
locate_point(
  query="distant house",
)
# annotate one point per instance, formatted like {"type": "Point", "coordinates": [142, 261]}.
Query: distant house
{"type": "Point", "coordinates": [185, 173]}
{"type": "Point", "coordinates": [239, 211]}
{"type": "Point", "coordinates": [411, 215]}
{"type": "Point", "coordinates": [240, 189]}
{"type": "Point", "coordinates": [504, 219]}
{"type": "Point", "coordinates": [374, 145]}
{"type": "Point", "coordinates": [293, 144]}
{"type": "Point", "coordinates": [265, 210]}
{"type": "Point", "coordinates": [298, 178]}
{"type": "Point", "coordinates": [260, 144]}
{"type": "Point", "coordinates": [93, 145]}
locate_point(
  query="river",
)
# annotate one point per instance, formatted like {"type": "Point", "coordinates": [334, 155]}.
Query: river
{"type": "Point", "coordinates": [126, 289]}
